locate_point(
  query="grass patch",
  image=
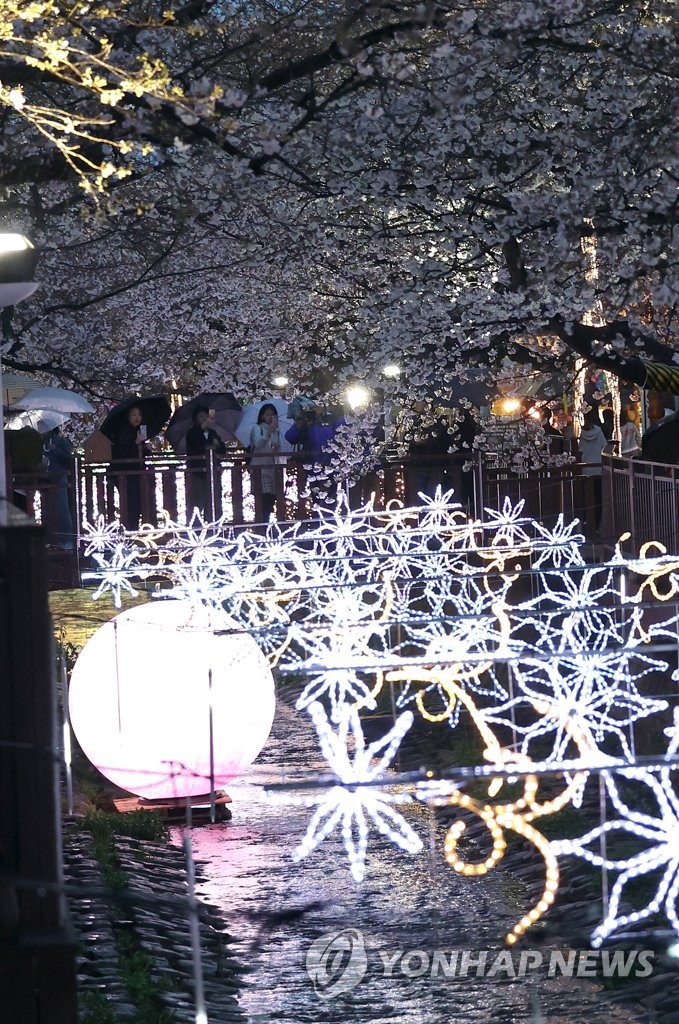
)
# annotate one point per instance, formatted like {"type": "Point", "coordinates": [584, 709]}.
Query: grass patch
{"type": "Point", "coordinates": [135, 963]}
{"type": "Point", "coordinates": [96, 1009]}
{"type": "Point", "coordinates": [145, 825]}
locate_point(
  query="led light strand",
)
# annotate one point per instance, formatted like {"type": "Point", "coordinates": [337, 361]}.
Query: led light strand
{"type": "Point", "coordinates": [350, 803]}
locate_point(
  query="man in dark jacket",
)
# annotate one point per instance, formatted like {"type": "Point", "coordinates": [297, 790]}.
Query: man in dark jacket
{"type": "Point", "coordinates": [201, 440]}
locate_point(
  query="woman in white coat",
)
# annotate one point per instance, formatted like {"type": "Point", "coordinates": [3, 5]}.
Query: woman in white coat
{"type": "Point", "coordinates": [265, 444]}
{"type": "Point", "coordinates": [592, 443]}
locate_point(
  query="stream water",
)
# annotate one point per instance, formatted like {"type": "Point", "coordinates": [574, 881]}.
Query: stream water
{"type": "Point", "coordinates": [276, 909]}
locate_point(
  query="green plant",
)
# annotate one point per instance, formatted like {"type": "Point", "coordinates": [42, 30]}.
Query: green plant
{"type": "Point", "coordinates": [148, 825]}
{"type": "Point", "coordinates": [136, 966]}
{"type": "Point", "coordinates": [94, 1009]}
{"type": "Point", "coordinates": [65, 650]}
{"type": "Point", "coordinates": [135, 963]}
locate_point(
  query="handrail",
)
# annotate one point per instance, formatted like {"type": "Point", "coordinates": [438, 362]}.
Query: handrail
{"type": "Point", "coordinates": [234, 485]}
{"type": "Point", "coordinates": [643, 500]}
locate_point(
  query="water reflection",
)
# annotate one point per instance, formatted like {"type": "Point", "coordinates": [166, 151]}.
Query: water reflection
{"type": "Point", "coordinates": [275, 909]}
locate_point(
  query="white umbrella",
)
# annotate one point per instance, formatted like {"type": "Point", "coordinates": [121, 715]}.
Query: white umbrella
{"type": "Point", "coordinates": [54, 399]}
{"type": "Point", "coordinates": [249, 419]}
{"type": "Point", "coordinates": [14, 385]}
{"type": "Point", "coordinates": [42, 420]}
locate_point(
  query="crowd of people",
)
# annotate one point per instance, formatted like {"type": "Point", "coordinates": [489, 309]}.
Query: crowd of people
{"type": "Point", "coordinates": [269, 450]}
{"type": "Point", "coordinates": [437, 448]}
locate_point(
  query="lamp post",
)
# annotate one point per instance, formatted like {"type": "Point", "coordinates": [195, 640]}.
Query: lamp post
{"type": "Point", "coordinates": [392, 371]}
{"type": "Point", "coordinates": [17, 266]}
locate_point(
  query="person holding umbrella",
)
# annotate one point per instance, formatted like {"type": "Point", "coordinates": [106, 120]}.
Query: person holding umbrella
{"type": "Point", "coordinates": [201, 440]}
{"type": "Point", "coordinates": [265, 444]}
{"type": "Point", "coordinates": [128, 449]}
{"type": "Point", "coordinates": [128, 427]}
{"type": "Point", "coordinates": [225, 414]}
{"type": "Point", "coordinates": [59, 454]}
{"type": "Point", "coordinates": [261, 430]}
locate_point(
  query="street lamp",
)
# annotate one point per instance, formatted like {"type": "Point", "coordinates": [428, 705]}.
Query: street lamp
{"type": "Point", "coordinates": [509, 406]}
{"type": "Point", "coordinates": [17, 266]}
{"type": "Point", "coordinates": [357, 397]}
{"type": "Point", "coordinates": [392, 370]}
{"type": "Point", "coordinates": [280, 381]}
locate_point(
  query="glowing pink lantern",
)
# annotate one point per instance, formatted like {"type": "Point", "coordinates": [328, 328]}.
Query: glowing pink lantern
{"type": "Point", "coordinates": [140, 699]}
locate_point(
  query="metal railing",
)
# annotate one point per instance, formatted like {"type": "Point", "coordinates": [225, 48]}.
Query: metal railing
{"type": "Point", "coordinates": [230, 486]}
{"type": "Point", "coordinates": [642, 499]}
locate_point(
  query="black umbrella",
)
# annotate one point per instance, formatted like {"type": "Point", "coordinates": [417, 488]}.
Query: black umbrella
{"type": "Point", "coordinates": [660, 443]}
{"type": "Point", "coordinates": [225, 412]}
{"type": "Point", "coordinates": [155, 412]}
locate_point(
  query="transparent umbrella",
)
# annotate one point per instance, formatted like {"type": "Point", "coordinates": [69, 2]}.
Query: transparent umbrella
{"type": "Point", "coordinates": [54, 399]}
{"type": "Point", "coordinates": [42, 420]}
{"type": "Point", "coordinates": [249, 418]}
{"type": "Point", "coordinates": [15, 385]}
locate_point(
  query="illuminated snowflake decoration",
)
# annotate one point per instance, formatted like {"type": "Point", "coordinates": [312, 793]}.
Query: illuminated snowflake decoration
{"type": "Point", "coordinates": [657, 835]}
{"type": "Point", "coordinates": [596, 692]}
{"type": "Point", "coordinates": [561, 546]}
{"type": "Point", "coordinates": [113, 573]}
{"type": "Point", "coordinates": [499, 618]}
{"type": "Point", "coordinates": [509, 525]}
{"type": "Point", "coordinates": [102, 536]}
{"type": "Point", "coordinates": [340, 662]}
{"type": "Point", "coordinates": [472, 641]}
{"type": "Point", "coordinates": [440, 513]}
{"type": "Point", "coordinates": [356, 801]}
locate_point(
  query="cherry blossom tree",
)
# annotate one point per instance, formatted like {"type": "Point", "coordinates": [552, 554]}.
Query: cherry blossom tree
{"type": "Point", "coordinates": [329, 188]}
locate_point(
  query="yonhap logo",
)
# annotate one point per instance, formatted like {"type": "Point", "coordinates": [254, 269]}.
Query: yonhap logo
{"type": "Point", "coordinates": [337, 962]}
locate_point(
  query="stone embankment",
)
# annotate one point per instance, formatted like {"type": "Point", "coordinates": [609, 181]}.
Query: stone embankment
{"type": "Point", "coordinates": [131, 913]}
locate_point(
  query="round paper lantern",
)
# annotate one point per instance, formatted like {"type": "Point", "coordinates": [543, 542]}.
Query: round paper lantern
{"type": "Point", "coordinates": [147, 687]}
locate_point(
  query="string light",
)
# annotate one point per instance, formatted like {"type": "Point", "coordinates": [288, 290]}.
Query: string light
{"type": "Point", "coordinates": [351, 804]}
{"type": "Point", "coordinates": [662, 832]}
{"type": "Point", "coordinates": [427, 599]}
{"type": "Point", "coordinates": [515, 816]}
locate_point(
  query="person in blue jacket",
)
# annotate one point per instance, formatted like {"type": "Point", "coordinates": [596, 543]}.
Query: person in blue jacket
{"type": "Point", "coordinates": [311, 434]}
{"type": "Point", "coordinates": [59, 455]}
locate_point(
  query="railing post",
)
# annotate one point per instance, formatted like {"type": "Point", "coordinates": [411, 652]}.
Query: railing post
{"type": "Point", "coordinates": [279, 484]}
{"type": "Point", "coordinates": [607, 496]}
{"type": "Point", "coordinates": [256, 484]}
{"type": "Point", "coordinates": [302, 503]}
{"type": "Point", "coordinates": [479, 484]}
{"type": "Point", "coordinates": [237, 512]}
{"type": "Point", "coordinates": [630, 497]}
{"type": "Point", "coordinates": [169, 491]}
{"type": "Point", "coordinates": [211, 503]}
{"type": "Point", "coordinates": [105, 496]}
{"type": "Point", "coordinates": [147, 492]}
